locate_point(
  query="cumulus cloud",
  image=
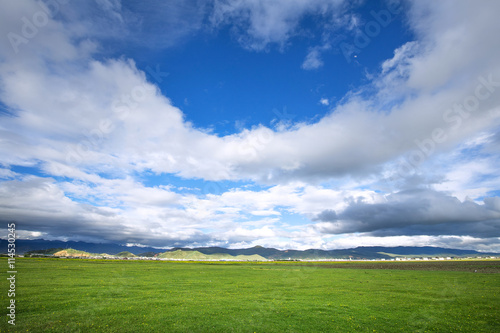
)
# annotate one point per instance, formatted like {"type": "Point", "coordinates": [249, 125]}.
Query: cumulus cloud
{"type": "Point", "coordinates": [324, 101]}
{"type": "Point", "coordinates": [258, 24]}
{"type": "Point", "coordinates": [397, 126]}
{"type": "Point", "coordinates": [327, 215]}
{"type": "Point", "coordinates": [70, 210]}
{"type": "Point", "coordinates": [422, 212]}
{"type": "Point", "coordinates": [128, 123]}
{"type": "Point", "coordinates": [453, 242]}
{"type": "Point", "coordinates": [313, 60]}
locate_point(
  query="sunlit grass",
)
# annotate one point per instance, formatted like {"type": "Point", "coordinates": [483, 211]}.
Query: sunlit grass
{"type": "Point", "coordinates": [64, 295]}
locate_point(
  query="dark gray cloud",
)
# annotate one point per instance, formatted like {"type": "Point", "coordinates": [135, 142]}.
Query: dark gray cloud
{"type": "Point", "coordinates": [417, 212]}
{"type": "Point", "coordinates": [327, 215]}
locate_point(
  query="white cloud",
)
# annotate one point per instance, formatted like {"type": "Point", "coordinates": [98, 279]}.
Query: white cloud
{"type": "Point", "coordinates": [452, 242]}
{"type": "Point", "coordinates": [451, 27]}
{"type": "Point", "coordinates": [129, 127]}
{"type": "Point", "coordinates": [260, 23]}
{"type": "Point", "coordinates": [324, 101]}
{"type": "Point", "coordinates": [313, 60]}
{"type": "Point", "coordinates": [417, 212]}
{"type": "Point", "coordinates": [147, 132]}
{"type": "Point", "coordinates": [6, 173]}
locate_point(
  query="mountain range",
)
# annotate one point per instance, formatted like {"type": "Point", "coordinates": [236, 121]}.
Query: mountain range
{"type": "Point", "coordinates": [362, 252]}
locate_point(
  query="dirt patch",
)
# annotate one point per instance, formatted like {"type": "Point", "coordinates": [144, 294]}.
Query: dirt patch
{"type": "Point", "coordinates": [486, 266]}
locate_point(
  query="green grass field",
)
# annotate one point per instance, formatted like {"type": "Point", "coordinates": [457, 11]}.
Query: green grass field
{"type": "Point", "coordinates": [71, 295]}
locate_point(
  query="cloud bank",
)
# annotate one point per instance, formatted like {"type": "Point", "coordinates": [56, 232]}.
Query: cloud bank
{"type": "Point", "coordinates": [413, 153]}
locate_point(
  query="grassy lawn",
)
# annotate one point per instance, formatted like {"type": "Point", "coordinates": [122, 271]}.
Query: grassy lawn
{"type": "Point", "coordinates": [70, 295]}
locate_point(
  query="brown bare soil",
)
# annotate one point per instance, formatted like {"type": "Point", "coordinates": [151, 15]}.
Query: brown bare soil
{"type": "Point", "coordinates": [476, 266]}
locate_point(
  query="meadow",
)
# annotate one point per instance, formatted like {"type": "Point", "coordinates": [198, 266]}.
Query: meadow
{"type": "Point", "coordinates": [79, 295]}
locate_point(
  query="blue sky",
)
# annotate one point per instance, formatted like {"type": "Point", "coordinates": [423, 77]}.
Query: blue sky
{"type": "Point", "coordinates": [289, 124]}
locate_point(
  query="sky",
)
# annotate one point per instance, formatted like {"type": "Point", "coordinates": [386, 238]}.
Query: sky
{"type": "Point", "coordinates": [292, 124]}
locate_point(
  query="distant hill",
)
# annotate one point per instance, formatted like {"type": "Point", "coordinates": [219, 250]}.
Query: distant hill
{"type": "Point", "coordinates": [24, 245]}
{"type": "Point", "coordinates": [72, 253]}
{"type": "Point", "coordinates": [59, 252]}
{"type": "Point", "coordinates": [362, 252]}
{"type": "Point", "coordinates": [125, 254]}
{"type": "Point", "coordinates": [196, 255]}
